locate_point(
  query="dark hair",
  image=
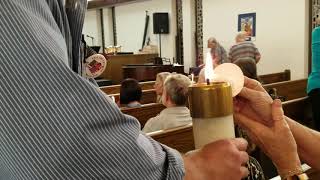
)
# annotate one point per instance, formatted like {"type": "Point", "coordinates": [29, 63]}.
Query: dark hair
{"type": "Point", "coordinates": [248, 67]}
{"type": "Point", "coordinates": [130, 91]}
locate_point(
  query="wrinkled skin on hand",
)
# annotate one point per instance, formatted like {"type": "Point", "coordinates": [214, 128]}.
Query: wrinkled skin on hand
{"type": "Point", "coordinates": [266, 125]}
{"type": "Point", "coordinates": [223, 159]}
{"type": "Point", "coordinates": [254, 101]}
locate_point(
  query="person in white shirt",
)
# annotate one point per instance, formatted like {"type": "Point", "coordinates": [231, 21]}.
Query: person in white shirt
{"type": "Point", "coordinates": [174, 97]}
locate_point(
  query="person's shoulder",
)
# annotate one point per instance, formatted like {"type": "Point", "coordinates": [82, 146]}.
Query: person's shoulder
{"type": "Point", "coordinates": [316, 29]}
{"type": "Point", "coordinates": [233, 46]}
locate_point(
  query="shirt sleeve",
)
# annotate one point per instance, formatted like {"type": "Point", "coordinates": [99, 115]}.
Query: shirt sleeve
{"type": "Point", "coordinates": [257, 54]}
{"type": "Point", "coordinates": [230, 56]}
{"type": "Point", "coordinates": [55, 124]}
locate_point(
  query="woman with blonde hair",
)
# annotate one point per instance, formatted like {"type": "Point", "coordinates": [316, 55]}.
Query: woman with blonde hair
{"type": "Point", "coordinates": [158, 85]}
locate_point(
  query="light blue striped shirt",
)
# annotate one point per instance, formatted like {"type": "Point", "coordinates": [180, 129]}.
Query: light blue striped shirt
{"type": "Point", "coordinates": [53, 123]}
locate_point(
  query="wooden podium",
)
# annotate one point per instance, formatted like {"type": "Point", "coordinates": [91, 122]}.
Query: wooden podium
{"type": "Point", "coordinates": [113, 70]}
{"type": "Point", "coordinates": [148, 72]}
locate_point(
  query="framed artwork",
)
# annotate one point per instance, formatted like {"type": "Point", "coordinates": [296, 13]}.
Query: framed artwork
{"type": "Point", "coordinates": [247, 23]}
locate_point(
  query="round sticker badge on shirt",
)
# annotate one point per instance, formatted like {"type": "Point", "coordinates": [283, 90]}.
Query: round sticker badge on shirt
{"type": "Point", "coordinates": [95, 65]}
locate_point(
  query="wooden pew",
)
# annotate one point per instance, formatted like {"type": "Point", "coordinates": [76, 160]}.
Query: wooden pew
{"type": "Point", "coordinates": [286, 89]}
{"type": "Point", "coordinates": [289, 89]}
{"type": "Point", "coordinates": [267, 78]}
{"type": "Point", "coordinates": [180, 138]}
{"type": "Point", "coordinates": [144, 113]}
{"type": "Point", "coordinates": [148, 96]}
{"type": "Point", "coordinates": [115, 89]}
{"type": "Point", "coordinates": [276, 77]}
{"type": "Point", "coordinates": [299, 110]}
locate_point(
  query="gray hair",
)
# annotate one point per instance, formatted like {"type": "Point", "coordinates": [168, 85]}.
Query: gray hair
{"type": "Point", "coordinates": [241, 36]}
{"type": "Point", "coordinates": [176, 86]}
{"type": "Point", "coordinates": [212, 40]}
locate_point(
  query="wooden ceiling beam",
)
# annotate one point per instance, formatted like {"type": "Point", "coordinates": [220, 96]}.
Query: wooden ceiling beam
{"type": "Point", "coordinates": [93, 4]}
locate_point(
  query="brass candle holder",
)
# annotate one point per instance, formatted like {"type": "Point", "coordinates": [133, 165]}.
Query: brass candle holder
{"type": "Point", "coordinates": [211, 108]}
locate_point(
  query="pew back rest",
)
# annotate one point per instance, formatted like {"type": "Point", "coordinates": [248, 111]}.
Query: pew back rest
{"type": "Point", "coordinates": [286, 89]}
{"type": "Point", "coordinates": [179, 138]}
{"type": "Point", "coordinates": [267, 79]}
{"type": "Point", "coordinates": [289, 89]}
{"type": "Point", "coordinates": [145, 112]}
{"type": "Point", "coordinates": [276, 77]}
{"type": "Point", "coordinates": [299, 110]}
{"type": "Point", "coordinates": [148, 96]}
{"type": "Point", "coordinates": [115, 89]}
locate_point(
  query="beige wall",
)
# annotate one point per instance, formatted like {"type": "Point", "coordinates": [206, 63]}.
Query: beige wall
{"type": "Point", "coordinates": [189, 29]}
{"type": "Point", "coordinates": [92, 27]}
{"type": "Point", "coordinates": [130, 21]}
{"type": "Point", "coordinates": [281, 31]}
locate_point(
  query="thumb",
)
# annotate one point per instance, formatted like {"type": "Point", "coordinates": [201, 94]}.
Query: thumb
{"type": "Point", "coordinates": [277, 111]}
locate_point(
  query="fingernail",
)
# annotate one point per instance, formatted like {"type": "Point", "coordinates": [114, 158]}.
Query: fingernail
{"type": "Point", "coordinates": [277, 102]}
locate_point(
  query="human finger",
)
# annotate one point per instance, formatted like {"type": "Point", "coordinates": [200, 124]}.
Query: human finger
{"type": "Point", "coordinates": [239, 103]}
{"type": "Point", "coordinates": [244, 171]}
{"type": "Point", "coordinates": [277, 111]}
{"type": "Point", "coordinates": [253, 84]}
{"type": "Point", "coordinates": [244, 157]}
{"type": "Point", "coordinates": [240, 143]}
{"type": "Point", "coordinates": [248, 93]}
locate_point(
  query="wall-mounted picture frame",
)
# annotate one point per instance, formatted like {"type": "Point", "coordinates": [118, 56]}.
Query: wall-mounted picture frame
{"type": "Point", "coordinates": [247, 23]}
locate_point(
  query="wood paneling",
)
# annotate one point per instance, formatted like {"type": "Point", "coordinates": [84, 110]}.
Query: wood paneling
{"type": "Point", "coordinates": [113, 70]}
{"type": "Point", "coordinates": [289, 89]}
{"type": "Point", "coordinates": [271, 78]}
{"type": "Point", "coordinates": [105, 3]}
{"type": "Point", "coordinates": [276, 77]}
{"type": "Point", "coordinates": [144, 113]}
{"type": "Point", "coordinates": [180, 138]}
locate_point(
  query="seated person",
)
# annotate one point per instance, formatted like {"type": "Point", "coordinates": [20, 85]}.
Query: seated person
{"type": "Point", "coordinates": [130, 93]}
{"type": "Point", "coordinates": [158, 85]}
{"type": "Point", "coordinates": [175, 95]}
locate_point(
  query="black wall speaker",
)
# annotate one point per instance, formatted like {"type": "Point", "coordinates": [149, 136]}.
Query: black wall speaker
{"type": "Point", "coordinates": [160, 23]}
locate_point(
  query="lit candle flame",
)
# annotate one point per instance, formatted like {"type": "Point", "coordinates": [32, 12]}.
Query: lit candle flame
{"type": "Point", "coordinates": [208, 71]}
{"type": "Point", "coordinates": [192, 78]}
